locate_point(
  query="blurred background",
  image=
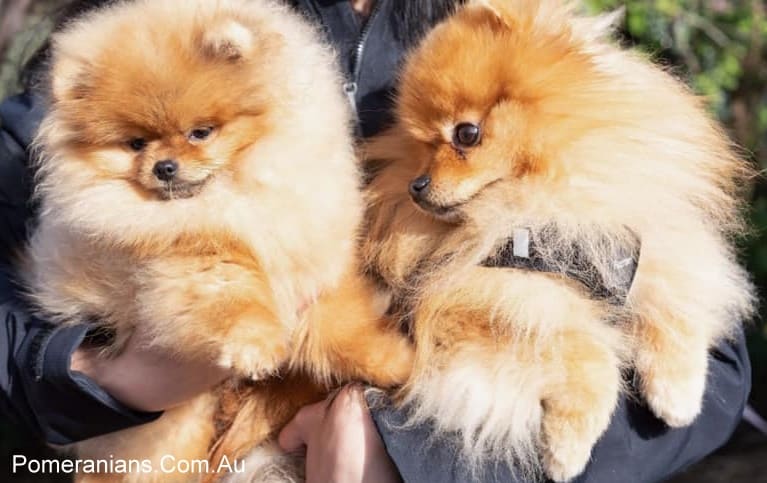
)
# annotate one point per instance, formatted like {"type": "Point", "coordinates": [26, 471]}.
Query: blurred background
{"type": "Point", "coordinates": [718, 46]}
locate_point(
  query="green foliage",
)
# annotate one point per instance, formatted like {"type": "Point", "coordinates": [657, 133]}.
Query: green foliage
{"type": "Point", "coordinates": [22, 47]}
{"type": "Point", "coordinates": [29, 36]}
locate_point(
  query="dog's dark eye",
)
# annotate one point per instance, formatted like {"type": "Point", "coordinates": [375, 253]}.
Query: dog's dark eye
{"type": "Point", "coordinates": [200, 134]}
{"type": "Point", "coordinates": [137, 144]}
{"type": "Point", "coordinates": [467, 135]}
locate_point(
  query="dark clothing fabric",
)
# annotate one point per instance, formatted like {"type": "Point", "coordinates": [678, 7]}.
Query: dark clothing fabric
{"type": "Point", "coordinates": [369, 53]}
{"type": "Point", "coordinates": [38, 389]}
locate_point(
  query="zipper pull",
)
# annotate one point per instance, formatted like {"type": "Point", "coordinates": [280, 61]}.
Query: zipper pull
{"type": "Point", "coordinates": [350, 88]}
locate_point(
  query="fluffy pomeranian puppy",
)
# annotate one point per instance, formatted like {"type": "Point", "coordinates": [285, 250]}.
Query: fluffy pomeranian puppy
{"type": "Point", "coordinates": [198, 184]}
{"type": "Point", "coordinates": [523, 117]}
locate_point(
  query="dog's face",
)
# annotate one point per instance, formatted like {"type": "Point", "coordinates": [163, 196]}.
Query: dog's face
{"type": "Point", "coordinates": [487, 102]}
{"type": "Point", "coordinates": [163, 111]}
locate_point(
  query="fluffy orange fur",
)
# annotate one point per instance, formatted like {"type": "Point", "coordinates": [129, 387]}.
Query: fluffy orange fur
{"type": "Point", "coordinates": [576, 133]}
{"type": "Point", "coordinates": [247, 256]}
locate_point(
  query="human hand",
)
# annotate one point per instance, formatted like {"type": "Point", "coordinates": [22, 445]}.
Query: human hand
{"type": "Point", "coordinates": [147, 378]}
{"type": "Point", "coordinates": [342, 443]}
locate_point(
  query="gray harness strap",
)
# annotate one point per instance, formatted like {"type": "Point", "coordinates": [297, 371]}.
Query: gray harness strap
{"type": "Point", "coordinates": [523, 252]}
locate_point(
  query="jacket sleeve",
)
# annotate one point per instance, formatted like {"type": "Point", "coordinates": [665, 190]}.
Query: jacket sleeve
{"type": "Point", "coordinates": [37, 387]}
{"type": "Point", "coordinates": [637, 447]}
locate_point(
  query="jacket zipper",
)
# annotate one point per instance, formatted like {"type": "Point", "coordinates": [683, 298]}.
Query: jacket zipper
{"type": "Point", "coordinates": [351, 86]}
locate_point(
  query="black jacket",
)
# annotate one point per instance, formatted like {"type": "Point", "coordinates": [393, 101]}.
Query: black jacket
{"type": "Point", "coordinates": [39, 390]}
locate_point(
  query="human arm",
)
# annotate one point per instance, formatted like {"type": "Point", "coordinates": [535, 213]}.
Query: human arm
{"type": "Point", "coordinates": [39, 390]}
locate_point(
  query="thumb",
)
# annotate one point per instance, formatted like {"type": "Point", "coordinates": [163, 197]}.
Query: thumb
{"type": "Point", "coordinates": [291, 438]}
{"type": "Point", "coordinates": [296, 434]}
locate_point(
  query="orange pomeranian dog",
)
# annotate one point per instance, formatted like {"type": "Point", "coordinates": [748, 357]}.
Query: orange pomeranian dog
{"type": "Point", "coordinates": [198, 184]}
{"type": "Point", "coordinates": [522, 117]}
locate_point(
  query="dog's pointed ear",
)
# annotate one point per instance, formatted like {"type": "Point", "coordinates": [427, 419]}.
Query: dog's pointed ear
{"type": "Point", "coordinates": [487, 5]}
{"type": "Point", "coordinates": [600, 26]}
{"type": "Point", "coordinates": [227, 40]}
{"type": "Point", "coordinates": [607, 23]}
{"type": "Point", "coordinates": [488, 12]}
{"type": "Point", "coordinates": [68, 78]}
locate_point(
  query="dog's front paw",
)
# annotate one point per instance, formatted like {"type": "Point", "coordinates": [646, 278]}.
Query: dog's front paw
{"type": "Point", "coordinates": [248, 361]}
{"type": "Point", "coordinates": [562, 467]}
{"type": "Point", "coordinates": [565, 457]}
{"type": "Point", "coordinates": [672, 382]}
{"type": "Point", "coordinates": [675, 397]}
{"type": "Point", "coordinates": [396, 366]}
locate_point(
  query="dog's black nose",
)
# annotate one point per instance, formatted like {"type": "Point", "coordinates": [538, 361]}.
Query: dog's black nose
{"type": "Point", "coordinates": [420, 186]}
{"type": "Point", "coordinates": [165, 170]}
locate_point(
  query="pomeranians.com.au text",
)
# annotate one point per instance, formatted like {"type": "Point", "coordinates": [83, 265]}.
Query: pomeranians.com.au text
{"type": "Point", "coordinates": [166, 464]}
